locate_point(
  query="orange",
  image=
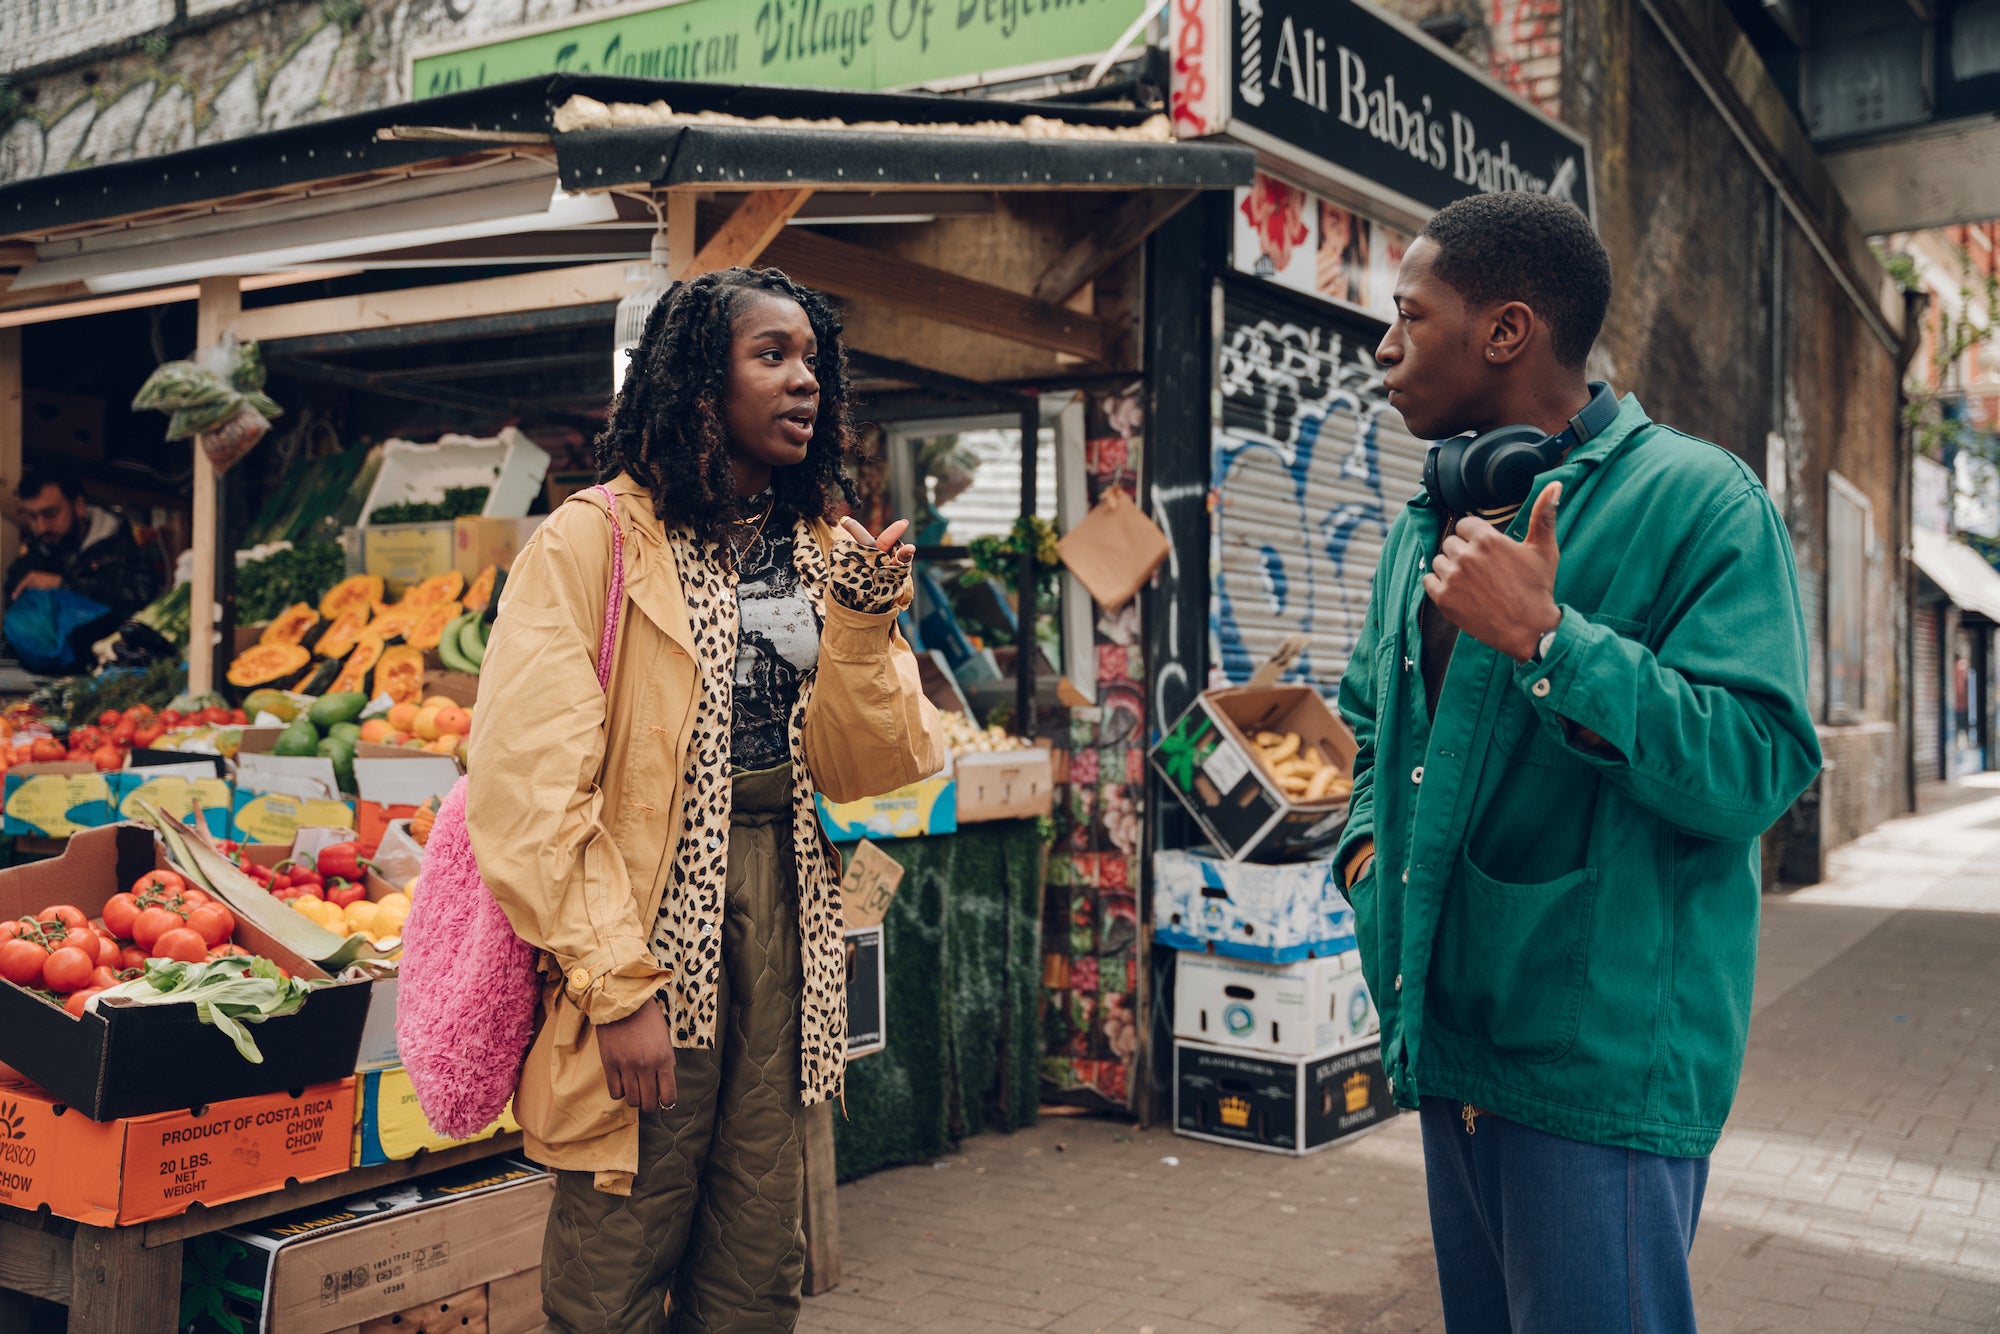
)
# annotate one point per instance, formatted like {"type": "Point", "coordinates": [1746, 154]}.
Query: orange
{"type": "Point", "coordinates": [427, 723]}
{"type": "Point", "coordinates": [453, 721]}
{"type": "Point", "coordinates": [403, 718]}
{"type": "Point", "coordinates": [440, 701]}
{"type": "Point", "coordinates": [376, 731]}
{"type": "Point", "coordinates": [447, 744]}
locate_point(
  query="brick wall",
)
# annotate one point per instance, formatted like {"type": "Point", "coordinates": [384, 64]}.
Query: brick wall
{"type": "Point", "coordinates": [1526, 49]}
{"type": "Point", "coordinates": [1861, 786]}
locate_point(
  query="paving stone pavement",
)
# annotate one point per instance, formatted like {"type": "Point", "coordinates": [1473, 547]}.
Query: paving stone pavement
{"type": "Point", "coordinates": [1856, 1188]}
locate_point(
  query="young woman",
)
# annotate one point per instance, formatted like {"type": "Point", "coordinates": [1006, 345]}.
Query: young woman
{"type": "Point", "coordinates": [656, 838]}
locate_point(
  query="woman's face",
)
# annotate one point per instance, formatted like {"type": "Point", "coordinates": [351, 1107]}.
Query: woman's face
{"type": "Point", "coordinates": [771, 395]}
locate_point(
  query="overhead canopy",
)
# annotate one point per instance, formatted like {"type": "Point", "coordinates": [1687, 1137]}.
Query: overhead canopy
{"type": "Point", "coordinates": [1961, 572]}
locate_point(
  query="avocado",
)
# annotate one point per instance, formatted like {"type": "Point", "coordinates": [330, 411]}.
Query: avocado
{"type": "Point", "coordinates": [348, 732]}
{"type": "Point", "coordinates": [330, 709]}
{"type": "Point", "coordinates": [341, 752]}
{"type": "Point", "coordinates": [299, 738]}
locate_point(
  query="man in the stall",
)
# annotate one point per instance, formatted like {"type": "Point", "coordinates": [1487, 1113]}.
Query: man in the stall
{"type": "Point", "coordinates": [80, 573]}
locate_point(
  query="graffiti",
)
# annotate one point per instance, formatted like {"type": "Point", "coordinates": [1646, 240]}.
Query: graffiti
{"type": "Point", "coordinates": [1177, 510]}
{"type": "Point", "coordinates": [1190, 83]}
{"type": "Point", "coordinates": [1527, 49]}
{"type": "Point", "coordinates": [1297, 473]}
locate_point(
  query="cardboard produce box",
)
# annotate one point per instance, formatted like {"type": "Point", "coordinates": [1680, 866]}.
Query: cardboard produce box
{"type": "Point", "coordinates": [1005, 785]}
{"type": "Point", "coordinates": [177, 795]}
{"type": "Point", "coordinates": [392, 783]}
{"type": "Point", "coordinates": [479, 542]}
{"type": "Point", "coordinates": [133, 1060]}
{"type": "Point", "coordinates": [278, 795]}
{"type": "Point", "coordinates": [1280, 1104]}
{"type": "Point", "coordinates": [134, 1169]}
{"type": "Point", "coordinates": [389, 1125]}
{"type": "Point", "coordinates": [1207, 760]}
{"type": "Point", "coordinates": [1293, 1009]}
{"type": "Point", "coordinates": [56, 800]}
{"type": "Point", "coordinates": [376, 1255]}
{"type": "Point", "coordinates": [401, 554]}
{"type": "Point", "coordinates": [1249, 910]}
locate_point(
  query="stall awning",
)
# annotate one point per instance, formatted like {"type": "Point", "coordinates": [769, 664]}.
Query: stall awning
{"type": "Point", "coordinates": [1963, 574]}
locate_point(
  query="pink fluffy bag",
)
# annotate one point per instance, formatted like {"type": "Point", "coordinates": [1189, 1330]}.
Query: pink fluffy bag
{"type": "Point", "coordinates": [465, 1005]}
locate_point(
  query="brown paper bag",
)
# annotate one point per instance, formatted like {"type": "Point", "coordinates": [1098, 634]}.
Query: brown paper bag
{"type": "Point", "coordinates": [1114, 550]}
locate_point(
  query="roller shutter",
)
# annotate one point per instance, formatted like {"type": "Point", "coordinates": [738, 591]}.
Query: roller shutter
{"type": "Point", "coordinates": [1309, 469]}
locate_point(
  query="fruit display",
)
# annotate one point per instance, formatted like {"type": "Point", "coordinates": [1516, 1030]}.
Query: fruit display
{"type": "Point", "coordinates": [66, 958]}
{"type": "Point", "coordinates": [966, 737]}
{"type": "Point", "coordinates": [437, 725]}
{"type": "Point", "coordinates": [358, 594]}
{"type": "Point", "coordinates": [399, 673]}
{"type": "Point", "coordinates": [108, 742]}
{"type": "Point", "coordinates": [461, 644]}
{"type": "Point", "coordinates": [262, 664]}
{"type": "Point", "coordinates": [378, 921]}
{"type": "Point", "coordinates": [1302, 771]}
{"type": "Point", "coordinates": [291, 626]}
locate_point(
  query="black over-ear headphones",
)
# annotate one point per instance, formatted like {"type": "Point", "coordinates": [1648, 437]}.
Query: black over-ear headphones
{"type": "Point", "coordinates": [1471, 473]}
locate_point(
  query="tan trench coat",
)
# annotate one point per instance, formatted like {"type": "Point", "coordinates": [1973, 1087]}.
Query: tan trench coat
{"type": "Point", "coordinates": [574, 814]}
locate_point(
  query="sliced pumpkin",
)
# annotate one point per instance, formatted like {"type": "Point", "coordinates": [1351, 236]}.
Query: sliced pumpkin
{"type": "Point", "coordinates": [394, 622]}
{"type": "Point", "coordinates": [429, 626]}
{"type": "Point", "coordinates": [290, 626]}
{"type": "Point", "coordinates": [480, 595]}
{"type": "Point", "coordinates": [400, 674]}
{"type": "Point", "coordinates": [359, 593]}
{"type": "Point", "coordinates": [353, 678]}
{"type": "Point", "coordinates": [261, 664]}
{"type": "Point", "coordinates": [436, 589]}
{"type": "Point", "coordinates": [340, 638]}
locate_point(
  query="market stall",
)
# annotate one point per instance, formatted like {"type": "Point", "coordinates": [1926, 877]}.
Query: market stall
{"type": "Point", "coordinates": [440, 378]}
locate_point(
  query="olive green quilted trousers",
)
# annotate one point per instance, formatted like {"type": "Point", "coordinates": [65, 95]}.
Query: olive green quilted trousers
{"type": "Point", "coordinates": [710, 1237]}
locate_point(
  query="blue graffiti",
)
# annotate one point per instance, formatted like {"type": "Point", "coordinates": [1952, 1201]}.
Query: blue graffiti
{"type": "Point", "coordinates": [1287, 517]}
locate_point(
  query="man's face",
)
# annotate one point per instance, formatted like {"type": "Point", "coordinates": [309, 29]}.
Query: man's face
{"type": "Point", "coordinates": [1434, 369]}
{"type": "Point", "coordinates": [50, 516]}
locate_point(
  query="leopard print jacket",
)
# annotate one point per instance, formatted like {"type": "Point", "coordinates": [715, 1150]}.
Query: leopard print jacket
{"type": "Point", "coordinates": [687, 940]}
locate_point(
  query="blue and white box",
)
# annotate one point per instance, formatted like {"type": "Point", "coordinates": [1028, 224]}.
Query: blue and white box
{"type": "Point", "coordinates": [1250, 910]}
{"type": "Point", "coordinates": [1309, 1008]}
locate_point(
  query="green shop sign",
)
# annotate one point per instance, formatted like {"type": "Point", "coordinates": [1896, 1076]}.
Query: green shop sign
{"type": "Point", "coordinates": [818, 43]}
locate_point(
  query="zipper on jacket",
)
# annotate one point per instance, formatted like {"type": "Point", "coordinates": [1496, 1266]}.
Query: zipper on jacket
{"type": "Point", "coordinates": [1471, 1115]}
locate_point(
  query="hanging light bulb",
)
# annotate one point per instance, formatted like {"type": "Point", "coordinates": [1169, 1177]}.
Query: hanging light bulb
{"type": "Point", "coordinates": [635, 307]}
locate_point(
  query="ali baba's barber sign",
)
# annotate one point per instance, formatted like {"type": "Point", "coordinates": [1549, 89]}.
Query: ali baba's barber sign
{"type": "Point", "coordinates": [1363, 104]}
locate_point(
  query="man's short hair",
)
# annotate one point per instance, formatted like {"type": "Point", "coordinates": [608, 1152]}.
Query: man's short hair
{"type": "Point", "coordinates": [1516, 246]}
{"type": "Point", "coordinates": [37, 480]}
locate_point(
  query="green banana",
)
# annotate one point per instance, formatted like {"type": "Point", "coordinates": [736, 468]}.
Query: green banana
{"type": "Point", "coordinates": [472, 641]}
{"type": "Point", "coordinates": [449, 652]}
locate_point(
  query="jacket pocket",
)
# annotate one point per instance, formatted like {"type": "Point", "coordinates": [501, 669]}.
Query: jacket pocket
{"type": "Point", "coordinates": [1510, 961]}
{"type": "Point", "coordinates": [1521, 732]}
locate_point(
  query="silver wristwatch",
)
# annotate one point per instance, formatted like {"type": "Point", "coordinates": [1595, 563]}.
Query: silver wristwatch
{"type": "Point", "coordinates": [1544, 644]}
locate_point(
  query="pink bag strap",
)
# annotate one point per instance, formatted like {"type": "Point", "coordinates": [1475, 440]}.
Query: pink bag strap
{"type": "Point", "coordinates": [614, 600]}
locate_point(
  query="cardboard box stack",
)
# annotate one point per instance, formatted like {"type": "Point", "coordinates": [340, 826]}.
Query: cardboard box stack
{"type": "Point", "coordinates": [1274, 1028]}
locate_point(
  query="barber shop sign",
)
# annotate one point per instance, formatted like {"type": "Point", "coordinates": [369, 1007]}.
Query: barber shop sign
{"type": "Point", "coordinates": [1339, 91]}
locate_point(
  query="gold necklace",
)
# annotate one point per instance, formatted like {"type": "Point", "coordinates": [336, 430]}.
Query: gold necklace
{"type": "Point", "coordinates": [758, 535]}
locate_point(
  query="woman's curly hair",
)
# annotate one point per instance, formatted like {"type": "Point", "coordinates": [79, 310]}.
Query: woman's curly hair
{"type": "Point", "coordinates": [666, 425]}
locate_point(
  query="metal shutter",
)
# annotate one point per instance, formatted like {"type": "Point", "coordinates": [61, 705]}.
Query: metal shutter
{"type": "Point", "coordinates": [1310, 468]}
{"type": "Point", "coordinates": [1927, 746]}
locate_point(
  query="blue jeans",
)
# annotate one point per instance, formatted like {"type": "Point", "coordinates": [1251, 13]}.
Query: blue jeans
{"type": "Point", "coordinates": [1537, 1234]}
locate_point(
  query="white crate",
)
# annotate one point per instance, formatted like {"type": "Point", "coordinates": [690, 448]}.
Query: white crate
{"type": "Point", "coordinates": [510, 465]}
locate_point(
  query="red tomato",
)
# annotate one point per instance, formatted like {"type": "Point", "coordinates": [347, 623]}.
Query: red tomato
{"type": "Point", "coordinates": [159, 880]}
{"type": "Point", "coordinates": [120, 911]}
{"type": "Point", "coordinates": [110, 718]}
{"type": "Point", "coordinates": [107, 952]}
{"type": "Point", "coordinates": [47, 750]}
{"type": "Point", "coordinates": [67, 970]}
{"type": "Point", "coordinates": [21, 962]}
{"type": "Point", "coordinates": [9, 930]}
{"type": "Point", "coordinates": [213, 923]}
{"type": "Point", "coordinates": [124, 732]}
{"type": "Point", "coordinates": [171, 719]}
{"type": "Point", "coordinates": [103, 977]}
{"type": "Point", "coordinates": [147, 735]}
{"type": "Point", "coordinates": [194, 898]}
{"type": "Point", "coordinates": [131, 958]}
{"type": "Point", "coordinates": [86, 738]}
{"type": "Point", "coordinates": [152, 924]}
{"type": "Point", "coordinates": [215, 716]}
{"type": "Point", "coordinates": [82, 938]}
{"type": "Point", "coordinates": [182, 943]}
{"type": "Point", "coordinates": [108, 758]}
{"type": "Point", "coordinates": [79, 999]}
{"type": "Point", "coordinates": [70, 917]}
{"type": "Point", "coordinates": [238, 718]}
{"type": "Point", "coordinates": [230, 952]}
{"type": "Point", "coordinates": [137, 713]}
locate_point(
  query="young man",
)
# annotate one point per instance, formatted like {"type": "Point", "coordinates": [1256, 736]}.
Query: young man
{"type": "Point", "coordinates": [1574, 721]}
{"type": "Point", "coordinates": [70, 544]}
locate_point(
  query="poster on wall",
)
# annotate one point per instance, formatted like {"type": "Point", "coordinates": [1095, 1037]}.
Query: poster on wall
{"type": "Point", "coordinates": [1292, 237]}
{"type": "Point", "coordinates": [1358, 100]}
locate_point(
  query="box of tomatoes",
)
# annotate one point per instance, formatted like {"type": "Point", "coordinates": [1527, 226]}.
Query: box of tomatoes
{"type": "Point", "coordinates": [134, 1060]}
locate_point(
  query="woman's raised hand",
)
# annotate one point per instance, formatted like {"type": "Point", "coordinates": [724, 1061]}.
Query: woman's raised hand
{"type": "Point", "coordinates": [886, 543]}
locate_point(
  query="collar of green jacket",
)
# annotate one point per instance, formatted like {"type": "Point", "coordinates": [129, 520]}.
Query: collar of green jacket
{"type": "Point", "coordinates": [1560, 921]}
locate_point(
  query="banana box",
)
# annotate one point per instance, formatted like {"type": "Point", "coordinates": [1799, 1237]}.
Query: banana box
{"type": "Point", "coordinates": [1249, 910]}
{"type": "Point", "coordinates": [1293, 1009]}
{"type": "Point", "coordinates": [1279, 1104]}
{"type": "Point", "coordinates": [1265, 770]}
{"type": "Point", "coordinates": [56, 800]}
{"type": "Point", "coordinates": [917, 811]}
{"type": "Point", "coordinates": [389, 1125]}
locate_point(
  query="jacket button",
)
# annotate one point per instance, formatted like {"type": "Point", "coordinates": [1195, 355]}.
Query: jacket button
{"type": "Point", "coordinates": [1406, 875]}
{"type": "Point", "coordinates": [579, 979]}
{"type": "Point", "coordinates": [1417, 774]}
{"type": "Point", "coordinates": [1541, 688]}
{"type": "Point", "coordinates": [1392, 1087]}
{"type": "Point", "coordinates": [1399, 981]}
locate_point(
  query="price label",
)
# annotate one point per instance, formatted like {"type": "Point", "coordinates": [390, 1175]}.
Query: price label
{"type": "Point", "coordinates": [868, 886]}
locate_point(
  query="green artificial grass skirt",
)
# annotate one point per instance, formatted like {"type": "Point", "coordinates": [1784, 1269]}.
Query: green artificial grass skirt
{"type": "Point", "coordinates": [962, 948]}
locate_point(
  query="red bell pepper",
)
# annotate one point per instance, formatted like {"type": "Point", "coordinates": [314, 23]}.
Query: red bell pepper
{"type": "Point", "coordinates": [340, 892]}
{"type": "Point", "coordinates": [343, 861]}
{"type": "Point", "coordinates": [301, 873]}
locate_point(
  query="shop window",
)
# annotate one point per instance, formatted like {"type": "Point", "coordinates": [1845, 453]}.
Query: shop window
{"type": "Point", "coordinates": [1850, 533]}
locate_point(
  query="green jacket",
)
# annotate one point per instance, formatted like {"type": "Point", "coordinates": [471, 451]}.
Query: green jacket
{"type": "Point", "coordinates": [1554, 932]}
